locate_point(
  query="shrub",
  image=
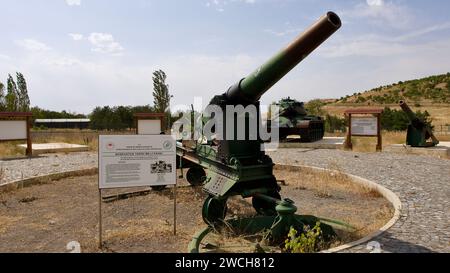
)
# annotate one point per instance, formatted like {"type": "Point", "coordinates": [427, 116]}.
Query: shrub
{"type": "Point", "coordinates": [309, 241]}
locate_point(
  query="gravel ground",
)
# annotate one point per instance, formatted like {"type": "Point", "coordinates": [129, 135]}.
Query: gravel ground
{"type": "Point", "coordinates": [422, 183]}
{"type": "Point", "coordinates": [12, 170]}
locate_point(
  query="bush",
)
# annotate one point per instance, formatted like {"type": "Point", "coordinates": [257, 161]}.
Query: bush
{"type": "Point", "coordinates": [397, 120]}
{"type": "Point", "coordinates": [310, 241]}
{"type": "Point", "coordinates": [334, 123]}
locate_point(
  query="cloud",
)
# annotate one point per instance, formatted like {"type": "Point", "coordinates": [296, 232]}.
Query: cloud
{"type": "Point", "coordinates": [32, 45]}
{"type": "Point", "coordinates": [371, 45]}
{"type": "Point", "coordinates": [4, 57]}
{"type": "Point", "coordinates": [105, 43]}
{"type": "Point", "coordinates": [375, 2]}
{"type": "Point", "coordinates": [219, 5]}
{"type": "Point", "coordinates": [380, 12]}
{"type": "Point", "coordinates": [73, 2]}
{"type": "Point", "coordinates": [76, 36]}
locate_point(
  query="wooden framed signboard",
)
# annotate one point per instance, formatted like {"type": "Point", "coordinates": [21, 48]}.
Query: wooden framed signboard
{"type": "Point", "coordinates": [364, 123]}
{"type": "Point", "coordinates": [16, 126]}
{"type": "Point", "coordinates": [149, 123]}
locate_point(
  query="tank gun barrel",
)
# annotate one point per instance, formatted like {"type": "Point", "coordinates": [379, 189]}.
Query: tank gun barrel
{"type": "Point", "coordinates": [251, 88]}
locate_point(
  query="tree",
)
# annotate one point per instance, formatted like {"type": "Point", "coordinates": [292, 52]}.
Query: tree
{"type": "Point", "coordinates": [161, 97]}
{"type": "Point", "coordinates": [314, 108]}
{"type": "Point", "coordinates": [23, 100]}
{"type": "Point", "coordinates": [2, 97]}
{"type": "Point", "coordinates": [11, 96]}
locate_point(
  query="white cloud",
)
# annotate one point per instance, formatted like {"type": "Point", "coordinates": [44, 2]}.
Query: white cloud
{"type": "Point", "coordinates": [381, 13]}
{"type": "Point", "coordinates": [105, 43]}
{"type": "Point", "coordinates": [76, 36]}
{"type": "Point", "coordinates": [73, 2]}
{"type": "Point", "coordinates": [4, 57]}
{"type": "Point", "coordinates": [375, 2]}
{"type": "Point", "coordinates": [376, 46]}
{"type": "Point", "coordinates": [219, 5]}
{"type": "Point", "coordinates": [32, 45]}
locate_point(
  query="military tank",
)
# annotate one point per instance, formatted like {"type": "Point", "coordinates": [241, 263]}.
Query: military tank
{"type": "Point", "coordinates": [294, 120]}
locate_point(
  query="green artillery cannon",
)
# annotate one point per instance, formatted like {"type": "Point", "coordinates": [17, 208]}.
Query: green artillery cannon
{"type": "Point", "coordinates": [229, 167]}
{"type": "Point", "coordinates": [419, 133]}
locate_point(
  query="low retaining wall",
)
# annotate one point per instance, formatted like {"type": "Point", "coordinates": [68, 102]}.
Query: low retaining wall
{"type": "Point", "coordinates": [44, 179]}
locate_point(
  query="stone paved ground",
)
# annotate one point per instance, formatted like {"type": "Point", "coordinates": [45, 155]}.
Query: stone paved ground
{"type": "Point", "coordinates": [45, 164]}
{"type": "Point", "coordinates": [422, 183]}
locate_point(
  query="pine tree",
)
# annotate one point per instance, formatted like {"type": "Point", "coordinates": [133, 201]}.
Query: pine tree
{"type": "Point", "coordinates": [161, 97]}
{"type": "Point", "coordinates": [23, 100]}
{"type": "Point", "coordinates": [11, 96]}
{"type": "Point", "coordinates": [2, 97]}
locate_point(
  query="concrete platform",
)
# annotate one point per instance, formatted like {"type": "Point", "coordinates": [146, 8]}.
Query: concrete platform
{"type": "Point", "coordinates": [326, 143]}
{"type": "Point", "coordinates": [440, 151]}
{"type": "Point", "coordinates": [48, 148]}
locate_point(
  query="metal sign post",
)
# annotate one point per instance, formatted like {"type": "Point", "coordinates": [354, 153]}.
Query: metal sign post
{"type": "Point", "coordinates": [175, 210]}
{"type": "Point", "coordinates": [100, 231]}
{"type": "Point", "coordinates": [129, 161]}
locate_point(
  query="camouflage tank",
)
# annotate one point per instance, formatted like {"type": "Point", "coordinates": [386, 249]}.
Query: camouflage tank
{"type": "Point", "coordinates": [294, 120]}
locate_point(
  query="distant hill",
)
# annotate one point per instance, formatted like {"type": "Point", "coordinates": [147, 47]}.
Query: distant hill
{"type": "Point", "coordinates": [430, 90]}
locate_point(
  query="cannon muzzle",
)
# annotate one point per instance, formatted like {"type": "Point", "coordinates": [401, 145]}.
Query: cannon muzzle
{"type": "Point", "coordinates": [251, 88]}
{"type": "Point", "coordinates": [408, 111]}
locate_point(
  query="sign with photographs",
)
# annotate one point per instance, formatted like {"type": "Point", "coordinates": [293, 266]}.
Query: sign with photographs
{"type": "Point", "coordinates": [136, 161]}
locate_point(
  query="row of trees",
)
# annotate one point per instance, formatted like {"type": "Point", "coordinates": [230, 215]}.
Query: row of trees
{"type": "Point", "coordinates": [122, 117]}
{"type": "Point", "coordinates": [16, 98]}
{"type": "Point", "coordinates": [39, 113]}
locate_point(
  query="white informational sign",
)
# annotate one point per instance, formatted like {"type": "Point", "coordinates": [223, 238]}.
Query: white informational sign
{"type": "Point", "coordinates": [136, 161]}
{"type": "Point", "coordinates": [13, 129]}
{"type": "Point", "coordinates": [365, 126]}
{"type": "Point", "coordinates": [149, 127]}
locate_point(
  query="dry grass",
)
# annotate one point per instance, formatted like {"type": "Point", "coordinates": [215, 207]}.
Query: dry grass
{"type": "Point", "coordinates": [2, 175]}
{"type": "Point", "coordinates": [89, 138]}
{"type": "Point", "coordinates": [323, 182]}
{"type": "Point", "coordinates": [10, 148]}
{"type": "Point", "coordinates": [7, 222]}
{"type": "Point", "coordinates": [368, 144]}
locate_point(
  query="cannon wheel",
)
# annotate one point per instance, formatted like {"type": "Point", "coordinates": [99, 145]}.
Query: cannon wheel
{"type": "Point", "coordinates": [264, 207]}
{"type": "Point", "coordinates": [214, 211]}
{"type": "Point", "coordinates": [195, 176]}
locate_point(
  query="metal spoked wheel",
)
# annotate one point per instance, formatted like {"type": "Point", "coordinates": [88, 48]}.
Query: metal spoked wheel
{"type": "Point", "coordinates": [195, 176]}
{"type": "Point", "coordinates": [214, 211]}
{"type": "Point", "coordinates": [264, 207]}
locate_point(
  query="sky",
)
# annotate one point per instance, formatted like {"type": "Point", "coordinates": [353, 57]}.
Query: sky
{"type": "Point", "coordinates": [78, 54]}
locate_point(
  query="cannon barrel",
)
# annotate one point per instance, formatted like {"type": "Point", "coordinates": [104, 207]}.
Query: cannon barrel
{"type": "Point", "coordinates": [408, 111]}
{"type": "Point", "coordinates": [251, 88]}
